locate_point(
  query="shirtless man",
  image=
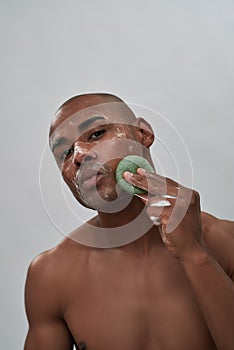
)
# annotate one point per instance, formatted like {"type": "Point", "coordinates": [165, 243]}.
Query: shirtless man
{"type": "Point", "coordinates": [162, 291]}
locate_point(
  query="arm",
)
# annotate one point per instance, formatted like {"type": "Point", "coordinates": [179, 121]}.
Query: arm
{"type": "Point", "coordinates": [214, 291]}
{"type": "Point", "coordinates": [213, 284]}
{"type": "Point", "coordinates": [47, 329]}
{"type": "Point", "coordinates": [181, 230]}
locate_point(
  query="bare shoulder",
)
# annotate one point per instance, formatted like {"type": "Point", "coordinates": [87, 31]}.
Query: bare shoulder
{"type": "Point", "coordinates": [214, 227]}
{"type": "Point", "coordinates": [42, 283]}
{"type": "Point", "coordinates": [45, 301]}
{"type": "Point", "coordinates": [48, 281]}
{"type": "Point", "coordinates": [219, 238]}
{"type": "Point", "coordinates": [51, 263]}
{"type": "Point", "coordinates": [50, 266]}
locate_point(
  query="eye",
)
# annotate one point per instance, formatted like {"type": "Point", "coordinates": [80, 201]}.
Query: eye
{"type": "Point", "coordinates": [96, 134]}
{"type": "Point", "coordinates": [67, 153]}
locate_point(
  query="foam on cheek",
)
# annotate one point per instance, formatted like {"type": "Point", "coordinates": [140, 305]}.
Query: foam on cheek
{"type": "Point", "coordinates": [123, 132]}
{"type": "Point", "coordinates": [121, 144]}
{"type": "Point", "coordinates": [120, 132]}
{"type": "Point", "coordinates": [84, 195]}
{"type": "Point", "coordinates": [75, 182]}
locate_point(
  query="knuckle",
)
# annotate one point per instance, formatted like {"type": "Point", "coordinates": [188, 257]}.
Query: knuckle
{"type": "Point", "coordinates": [195, 198]}
{"type": "Point", "coordinates": [137, 179]}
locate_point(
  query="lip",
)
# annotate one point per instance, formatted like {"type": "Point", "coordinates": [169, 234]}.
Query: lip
{"type": "Point", "coordinates": [89, 173]}
{"type": "Point", "coordinates": [90, 177]}
{"type": "Point", "coordinates": [92, 181]}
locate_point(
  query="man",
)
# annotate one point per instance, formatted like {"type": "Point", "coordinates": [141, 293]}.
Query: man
{"type": "Point", "coordinates": [171, 288]}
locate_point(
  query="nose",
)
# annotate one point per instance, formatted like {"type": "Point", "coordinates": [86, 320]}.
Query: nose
{"type": "Point", "coordinates": [83, 153]}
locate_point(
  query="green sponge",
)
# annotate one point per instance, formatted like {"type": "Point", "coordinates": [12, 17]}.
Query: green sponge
{"type": "Point", "coordinates": [131, 164]}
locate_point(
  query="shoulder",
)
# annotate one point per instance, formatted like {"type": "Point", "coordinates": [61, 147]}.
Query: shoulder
{"type": "Point", "coordinates": [50, 264]}
{"type": "Point", "coordinates": [214, 227]}
{"type": "Point", "coordinates": [41, 298]}
{"type": "Point", "coordinates": [45, 263]}
{"type": "Point", "coordinates": [42, 280]}
{"type": "Point", "coordinates": [219, 238]}
{"type": "Point", "coordinates": [54, 266]}
{"type": "Point", "coordinates": [48, 278]}
{"type": "Point", "coordinates": [45, 303]}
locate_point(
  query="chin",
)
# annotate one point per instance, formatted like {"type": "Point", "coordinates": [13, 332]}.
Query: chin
{"type": "Point", "coordinates": [96, 199]}
{"type": "Point", "coordinates": [105, 200]}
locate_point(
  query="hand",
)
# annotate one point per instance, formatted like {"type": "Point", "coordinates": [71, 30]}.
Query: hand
{"type": "Point", "coordinates": [172, 207]}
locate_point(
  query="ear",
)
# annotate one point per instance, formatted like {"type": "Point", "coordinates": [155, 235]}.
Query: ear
{"type": "Point", "coordinates": [145, 132]}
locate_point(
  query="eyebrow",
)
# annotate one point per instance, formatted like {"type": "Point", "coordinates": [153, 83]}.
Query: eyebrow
{"type": "Point", "coordinates": [58, 142]}
{"type": "Point", "coordinates": [62, 140]}
{"type": "Point", "coordinates": [89, 121]}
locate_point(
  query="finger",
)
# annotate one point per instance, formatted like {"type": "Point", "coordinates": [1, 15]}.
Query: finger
{"type": "Point", "coordinates": [161, 203]}
{"type": "Point", "coordinates": [160, 209]}
{"type": "Point", "coordinates": [166, 201]}
{"type": "Point", "coordinates": [160, 184]}
{"type": "Point", "coordinates": [163, 234]}
{"type": "Point", "coordinates": [150, 185]}
{"type": "Point", "coordinates": [136, 180]}
{"type": "Point", "coordinates": [154, 211]}
{"type": "Point", "coordinates": [154, 214]}
{"type": "Point", "coordinates": [160, 179]}
{"type": "Point", "coordinates": [153, 183]}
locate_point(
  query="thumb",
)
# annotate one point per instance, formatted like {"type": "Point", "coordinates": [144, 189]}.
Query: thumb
{"type": "Point", "coordinates": [162, 230]}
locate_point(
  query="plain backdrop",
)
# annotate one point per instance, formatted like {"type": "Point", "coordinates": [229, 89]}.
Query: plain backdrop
{"type": "Point", "coordinates": [175, 57]}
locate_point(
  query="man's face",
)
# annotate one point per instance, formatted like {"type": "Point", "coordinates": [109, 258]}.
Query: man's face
{"type": "Point", "coordinates": [88, 144]}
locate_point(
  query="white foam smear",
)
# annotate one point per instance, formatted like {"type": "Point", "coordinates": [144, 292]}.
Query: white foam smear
{"type": "Point", "coordinates": [120, 132]}
{"type": "Point", "coordinates": [64, 211]}
{"type": "Point", "coordinates": [160, 203]}
{"type": "Point", "coordinates": [108, 200]}
{"type": "Point", "coordinates": [156, 220]}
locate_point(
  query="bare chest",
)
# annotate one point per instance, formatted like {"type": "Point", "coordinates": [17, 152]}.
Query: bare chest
{"type": "Point", "coordinates": [130, 306]}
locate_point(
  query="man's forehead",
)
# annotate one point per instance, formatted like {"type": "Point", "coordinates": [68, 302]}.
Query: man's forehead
{"type": "Point", "coordinates": [113, 112]}
{"type": "Point", "coordinates": [70, 127]}
{"type": "Point", "coordinates": [77, 114]}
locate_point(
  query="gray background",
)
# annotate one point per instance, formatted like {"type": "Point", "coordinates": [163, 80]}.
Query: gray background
{"type": "Point", "coordinates": [176, 57]}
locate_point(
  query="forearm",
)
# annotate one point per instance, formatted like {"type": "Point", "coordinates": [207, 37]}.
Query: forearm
{"type": "Point", "coordinates": [214, 291]}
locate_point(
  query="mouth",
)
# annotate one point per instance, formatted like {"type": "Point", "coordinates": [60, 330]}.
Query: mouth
{"type": "Point", "coordinates": [89, 178]}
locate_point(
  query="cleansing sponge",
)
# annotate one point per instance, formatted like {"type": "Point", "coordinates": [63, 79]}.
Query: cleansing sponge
{"type": "Point", "coordinates": [131, 164]}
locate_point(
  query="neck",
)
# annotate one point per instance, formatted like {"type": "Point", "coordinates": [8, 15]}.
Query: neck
{"type": "Point", "coordinates": [147, 235]}
{"type": "Point", "coordinates": [123, 216]}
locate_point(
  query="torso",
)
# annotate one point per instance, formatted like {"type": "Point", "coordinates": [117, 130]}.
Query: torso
{"type": "Point", "coordinates": [115, 300]}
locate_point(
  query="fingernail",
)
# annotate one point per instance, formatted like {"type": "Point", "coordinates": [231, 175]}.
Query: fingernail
{"type": "Point", "coordinates": [128, 175]}
{"type": "Point", "coordinates": [141, 171]}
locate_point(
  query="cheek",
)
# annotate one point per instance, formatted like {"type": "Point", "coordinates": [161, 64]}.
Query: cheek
{"type": "Point", "coordinates": [68, 173]}
{"type": "Point", "coordinates": [111, 151]}
{"type": "Point", "coordinates": [120, 132]}
{"type": "Point", "coordinates": [123, 146]}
